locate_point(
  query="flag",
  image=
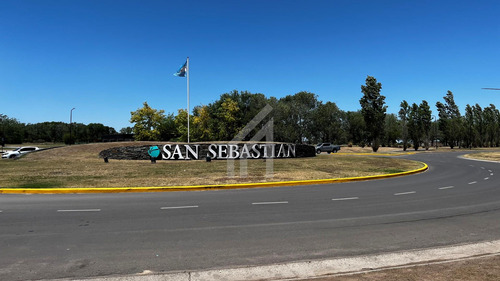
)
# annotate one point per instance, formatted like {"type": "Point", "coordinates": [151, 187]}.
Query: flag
{"type": "Point", "coordinates": [182, 71]}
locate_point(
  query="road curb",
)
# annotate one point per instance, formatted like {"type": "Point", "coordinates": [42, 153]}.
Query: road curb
{"type": "Point", "coordinates": [202, 187]}
{"type": "Point", "coordinates": [326, 268]}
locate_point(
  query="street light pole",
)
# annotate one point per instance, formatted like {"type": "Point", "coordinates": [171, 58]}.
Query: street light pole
{"type": "Point", "coordinates": [70, 124]}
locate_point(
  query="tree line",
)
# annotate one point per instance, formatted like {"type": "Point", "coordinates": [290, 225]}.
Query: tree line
{"type": "Point", "coordinates": [13, 131]}
{"type": "Point", "coordinates": [297, 118]}
{"type": "Point", "coordinates": [302, 118]}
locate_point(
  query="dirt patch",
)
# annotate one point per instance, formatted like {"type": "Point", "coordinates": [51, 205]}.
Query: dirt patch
{"type": "Point", "coordinates": [481, 269]}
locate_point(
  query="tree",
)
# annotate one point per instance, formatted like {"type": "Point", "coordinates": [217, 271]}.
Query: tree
{"type": "Point", "coordinates": [469, 126]}
{"type": "Point", "coordinates": [414, 126]}
{"type": "Point", "coordinates": [168, 129]}
{"type": "Point", "coordinates": [294, 115]}
{"type": "Point", "coordinates": [479, 125]}
{"type": "Point", "coordinates": [373, 110]}
{"type": "Point", "coordinates": [425, 118]}
{"type": "Point", "coordinates": [11, 130]}
{"type": "Point", "coordinates": [201, 124]}
{"type": "Point", "coordinates": [450, 121]}
{"type": "Point", "coordinates": [146, 123]}
{"type": "Point", "coordinates": [126, 130]}
{"type": "Point", "coordinates": [491, 119]}
{"type": "Point", "coordinates": [355, 128]}
{"type": "Point", "coordinates": [404, 114]}
{"type": "Point", "coordinates": [326, 123]}
{"type": "Point", "coordinates": [180, 122]}
{"type": "Point", "coordinates": [392, 129]}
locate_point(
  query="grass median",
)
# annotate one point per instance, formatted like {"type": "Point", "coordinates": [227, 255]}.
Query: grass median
{"type": "Point", "coordinates": [490, 156]}
{"type": "Point", "coordinates": [79, 166]}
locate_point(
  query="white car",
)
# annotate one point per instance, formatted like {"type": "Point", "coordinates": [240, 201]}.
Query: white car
{"type": "Point", "coordinates": [19, 151]}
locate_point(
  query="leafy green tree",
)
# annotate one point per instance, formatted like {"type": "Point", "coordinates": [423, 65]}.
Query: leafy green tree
{"type": "Point", "coordinates": [392, 129]}
{"type": "Point", "coordinates": [355, 128]}
{"type": "Point", "coordinates": [146, 123]}
{"type": "Point", "coordinates": [180, 122]}
{"type": "Point", "coordinates": [168, 129]}
{"type": "Point", "coordinates": [414, 126]}
{"type": "Point", "coordinates": [326, 123]}
{"type": "Point", "coordinates": [492, 121]}
{"type": "Point", "coordinates": [126, 130]}
{"type": "Point", "coordinates": [469, 129]}
{"type": "Point", "coordinates": [201, 124]}
{"type": "Point", "coordinates": [479, 125]}
{"type": "Point", "coordinates": [97, 130]}
{"type": "Point", "coordinates": [450, 120]}
{"type": "Point", "coordinates": [425, 119]}
{"type": "Point", "coordinates": [373, 110]}
{"type": "Point", "coordinates": [11, 130]}
{"type": "Point", "coordinates": [295, 115]}
{"type": "Point", "coordinates": [404, 115]}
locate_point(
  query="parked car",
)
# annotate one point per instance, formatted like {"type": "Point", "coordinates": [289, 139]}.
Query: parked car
{"type": "Point", "coordinates": [327, 147]}
{"type": "Point", "coordinates": [19, 151]}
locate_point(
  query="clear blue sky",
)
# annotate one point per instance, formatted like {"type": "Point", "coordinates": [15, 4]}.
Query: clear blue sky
{"type": "Point", "coordinates": [107, 57]}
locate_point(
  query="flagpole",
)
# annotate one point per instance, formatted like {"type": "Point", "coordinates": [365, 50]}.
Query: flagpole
{"type": "Point", "coordinates": [187, 73]}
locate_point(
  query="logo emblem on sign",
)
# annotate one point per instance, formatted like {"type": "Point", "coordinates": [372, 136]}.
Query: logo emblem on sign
{"type": "Point", "coordinates": [154, 151]}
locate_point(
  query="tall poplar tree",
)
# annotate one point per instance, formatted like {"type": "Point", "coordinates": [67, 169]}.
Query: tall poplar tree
{"type": "Point", "coordinates": [373, 110]}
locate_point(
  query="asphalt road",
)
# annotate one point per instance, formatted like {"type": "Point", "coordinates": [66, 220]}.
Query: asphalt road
{"type": "Point", "coordinates": [65, 236]}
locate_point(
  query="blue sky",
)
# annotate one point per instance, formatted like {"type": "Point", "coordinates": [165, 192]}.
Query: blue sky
{"type": "Point", "coordinates": [105, 58]}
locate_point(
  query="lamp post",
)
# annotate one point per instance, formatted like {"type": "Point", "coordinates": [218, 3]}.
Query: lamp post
{"type": "Point", "coordinates": [70, 124]}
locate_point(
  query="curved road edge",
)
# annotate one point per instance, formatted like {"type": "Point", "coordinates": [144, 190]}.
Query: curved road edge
{"type": "Point", "coordinates": [204, 187]}
{"type": "Point", "coordinates": [327, 268]}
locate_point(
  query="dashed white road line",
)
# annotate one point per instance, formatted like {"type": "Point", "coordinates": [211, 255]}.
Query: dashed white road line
{"type": "Point", "coordinates": [490, 171]}
{"type": "Point", "coordinates": [486, 178]}
{"type": "Point", "coordinates": [270, 203]}
{"type": "Point", "coordinates": [81, 210]}
{"type": "Point", "coordinates": [346, 198]}
{"type": "Point", "coordinates": [405, 193]}
{"type": "Point", "coordinates": [178, 207]}
{"type": "Point", "coordinates": [473, 182]}
{"type": "Point", "coordinates": [446, 187]}
{"type": "Point", "coordinates": [491, 174]}
{"type": "Point", "coordinates": [483, 168]}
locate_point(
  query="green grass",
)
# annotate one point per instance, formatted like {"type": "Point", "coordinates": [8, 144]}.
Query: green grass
{"type": "Point", "coordinates": [80, 166]}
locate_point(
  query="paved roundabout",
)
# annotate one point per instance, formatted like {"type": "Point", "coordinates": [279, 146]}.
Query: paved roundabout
{"type": "Point", "coordinates": [456, 201]}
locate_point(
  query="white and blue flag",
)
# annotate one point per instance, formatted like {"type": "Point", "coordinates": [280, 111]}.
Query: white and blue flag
{"type": "Point", "coordinates": [182, 71]}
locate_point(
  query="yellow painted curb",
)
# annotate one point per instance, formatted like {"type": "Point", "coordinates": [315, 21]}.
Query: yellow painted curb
{"type": "Point", "coordinates": [201, 187]}
{"type": "Point", "coordinates": [376, 154]}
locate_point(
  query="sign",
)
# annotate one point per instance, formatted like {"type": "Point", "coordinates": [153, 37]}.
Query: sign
{"type": "Point", "coordinates": [222, 151]}
{"type": "Point", "coordinates": [215, 151]}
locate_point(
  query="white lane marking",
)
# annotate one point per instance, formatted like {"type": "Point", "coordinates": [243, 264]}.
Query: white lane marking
{"type": "Point", "coordinates": [486, 178]}
{"type": "Point", "coordinates": [483, 168]}
{"type": "Point", "coordinates": [473, 182]}
{"type": "Point", "coordinates": [490, 171]}
{"type": "Point", "coordinates": [446, 187]}
{"type": "Point", "coordinates": [270, 203]}
{"type": "Point", "coordinates": [81, 210]}
{"type": "Point", "coordinates": [405, 193]}
{"type": "Point", "coordinates": [491, 174]}
{"type": "Point", "coordinates": [178, 207]}
{"type": "Point", "coordinates": [346, 198]}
